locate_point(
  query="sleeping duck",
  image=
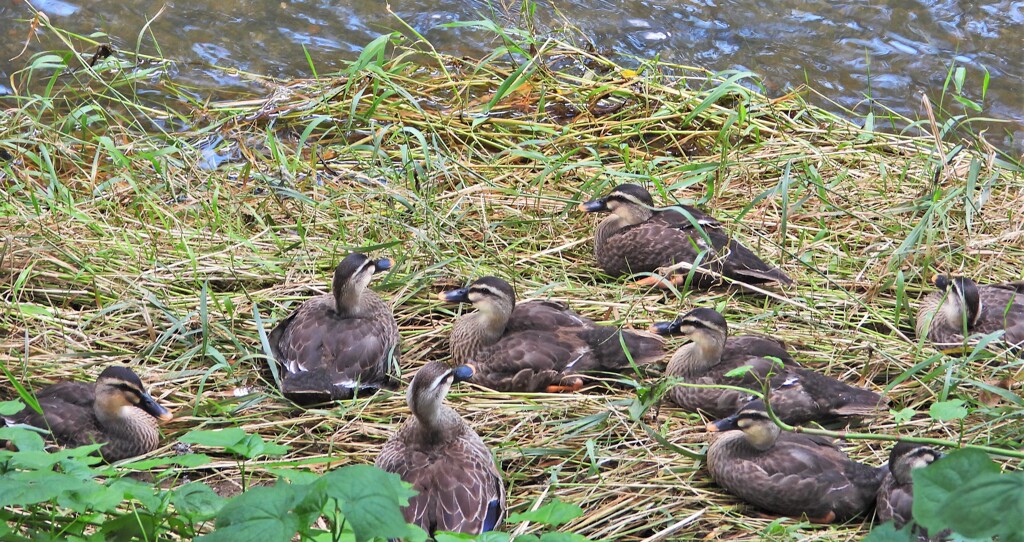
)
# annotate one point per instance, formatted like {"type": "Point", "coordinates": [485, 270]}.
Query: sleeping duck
{"type": "Point", "coordinates": [790, 474]}
{"type": "Point", "coordinates": [538, 345]}
{"type": "Point", "coordinates": [639, 238]}
{"type": "Point", "coordinates": [797, 394]}
{"type": "Point", "coordinates": [896, 494]}
{"type": "Point", "coordinates": [114, 411]}
{"type": "Point", "coordinates": [961, 309]}
{"type": "Point", "coordinates": [339, 344]}
{"type": "Point", "coordinates": [439, 454]}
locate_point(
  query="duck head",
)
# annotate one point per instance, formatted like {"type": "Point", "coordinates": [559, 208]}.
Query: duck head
{"type": "Point", "coordinates": [351, 278]}
{"type": "Point", "coordinates": [907, 456]}
{"type": "Point", "coordinates": [631, 203]}
{"type": "Point", "coordinates": [962, 303]}
{"type": "Point", "coordinates": [119, 391]}
{"type": "Point", "coordinates": [759, 430]}
{"type": "Point", "coordinates": [430, 386]}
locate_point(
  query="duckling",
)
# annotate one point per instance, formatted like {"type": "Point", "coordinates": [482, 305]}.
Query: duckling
{"type": "Point", "coordinates": [896, 494]}
{"type": "Point", "coordinates": [115, 411]}
{"type": "Point", "coordinates": [538, 345]}
{"type": "Point", "coordinates": [791, 474]}
{"type": "Point", "coordinates": [439, 454]}
{"type": "Point", "coordinates": [797, 394]}
{"type": "Point", "coordinates": [638, 238]}
{"type": "Point", "coordinates": [962, 308]}
{"type": "Point", "coordinates": [339, 344]}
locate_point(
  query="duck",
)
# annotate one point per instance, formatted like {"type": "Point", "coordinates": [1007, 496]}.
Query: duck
{"type": "Point", "coordinates": [435, 451]}
{"type": "Point", "coordinates": [896, 494]}
{"type": "Point", "coordinates": [538, 345]}
{"type": "Point", "coordinates": [342, 344]}
{"type": "Point", "coordinates": [114, 411]}
{"type": "Point", "coordinates": [639, 238]}
{"type": "Point", "coordinates": [797, 394]}
{"type": "Point", "coordinates": [790, 474]}
{"type": "Point", "coordinates": [960, 305]}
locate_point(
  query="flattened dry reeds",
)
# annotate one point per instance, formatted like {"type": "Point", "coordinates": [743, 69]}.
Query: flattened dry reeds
{"type": "Point", "coordinates": [125, 245]}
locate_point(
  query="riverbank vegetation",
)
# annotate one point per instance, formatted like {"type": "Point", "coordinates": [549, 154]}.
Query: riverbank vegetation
{"type": "Point", "coordinates": [172, 234]}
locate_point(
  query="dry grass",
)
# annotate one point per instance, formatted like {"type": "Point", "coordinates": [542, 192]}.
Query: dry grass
{"type": "Point", "coordinates": [120, 247]}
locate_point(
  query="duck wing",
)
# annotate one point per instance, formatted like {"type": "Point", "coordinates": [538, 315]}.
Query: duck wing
{"type": "Point", "coordinates": [895, 502]}
{"type": "Point", "coordinates": [800, 395]}
{"type": "Point", "coordinates": [460, 489]}
{"type": "Point", "coordinates": [67, 414]}
{"type": "Point", "coordinates": [795, 478]}
{"type": "Point", "coordinates": [327, 356]}
{"type": "Point", "coordinates": [544, 315]}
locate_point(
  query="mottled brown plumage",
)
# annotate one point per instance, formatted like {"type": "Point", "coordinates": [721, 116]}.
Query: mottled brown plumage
{"type": "Point", "coordinates": [439, 454]}
{"type": "Point", "coordinates": [637, 238]}
{"type": "Point", "coordinates": [797, 394]}
{"type": "Point", "coordinates": [537, 345]}
{"type": "Point", "coordinates": [335, 345]}
{"type": "Point", "coordinates": [786, 473]}
{"type": "Point", "coordinates": [114, 411]}
{"type": "Point", "coordinates": [961, 305]}
{"type": "Point", "coordinates": [896, 494]}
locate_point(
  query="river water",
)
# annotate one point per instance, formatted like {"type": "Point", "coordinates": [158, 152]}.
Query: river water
{"type": "Point", "coordinates": [890, 50]}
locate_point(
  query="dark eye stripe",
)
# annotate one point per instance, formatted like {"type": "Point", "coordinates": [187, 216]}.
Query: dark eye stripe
{"type": "Point", "coordinates": [128, 389]}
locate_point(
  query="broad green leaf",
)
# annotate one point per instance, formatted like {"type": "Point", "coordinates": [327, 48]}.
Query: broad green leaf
{"type": "Point", "coordinates": [10, 407]}
{"type": "Point", "coordinates": [196, 502]}
{"type": "Point", "coordinates": [236, 441]}
{"type": "Point", "coordinates": [945, 411]}
{"type": "Point", "coordinates": [150, 497]}
{"type": "Point", "coordinates": [942, 481]}
{"type": "Point", "coordinates": [371, 500]}
{"type": "Point", "coordinates": [989, 505]}
{"type": "Point", "coordinates": [265, 514]}
{"type": "Point", "coordinates": [739, 371]}
{"type": "Point", "coordinates": [902, 416]}
{"type": "Point", "coordinates": [22, 488]}
{"type": "Point", "coordinates": [887, 532]}
{"type": "Point", "coordinates": [26, 440]}
{"type": "Point", "coordinates": [553, 514]}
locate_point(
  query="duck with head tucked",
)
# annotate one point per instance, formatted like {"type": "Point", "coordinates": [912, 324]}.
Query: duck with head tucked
{"type": "Point", "coordinates": [896, 494]}
{"type": "Point", "coordinates": [339, 344]}
{"type": "Point", "coordinates": [797, 395]}
{"type": "Point", "coordinates": [791, 474]}
{"type": "Point", "coordinates": [538, 345]}
{"type": "Point", "coordinates": [639, 238]}
{"type": "Point", "coordinates": [961, 308]}
{"type": "Point", "coordinates": [115, 411]}
{"type": "Point", "coordinates": [439, 454]}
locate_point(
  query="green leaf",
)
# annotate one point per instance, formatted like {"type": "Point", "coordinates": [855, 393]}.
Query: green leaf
{"type": "Point", "coordinates": [945, 411]}
{"type": "Point", "coordinates": [942, 482]}
{"type": "Point", "coordinates": [887, 532]}
{"type": "Point", "coordinates": [739, 371]}
{"type": "Point", "coordinates": [196, 501]}
{"type": "Point", "coordinates": [263, 513]}
{"type": "Point", "coordinates": [554, 513]}
{"type": "Point", "coordinates": [22, 488]}
{"type": "Point", "coordinates": [371, 500]}
{"type": "Point", "coordinates": [987, 506]}
{"type": "Point", "coordinates": [25, 440]}
{"type": "Point", "coordinates": [902, 416]}
{"type": "Point", "coordinates": [186, 460]}
{"type": "Point", "coordinates": [236, 441]}
{"type": "Point", "coordinates": [10, 407]}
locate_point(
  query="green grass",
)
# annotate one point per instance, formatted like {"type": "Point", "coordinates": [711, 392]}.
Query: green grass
{"type": "Point", "coordinates": [119, 247]}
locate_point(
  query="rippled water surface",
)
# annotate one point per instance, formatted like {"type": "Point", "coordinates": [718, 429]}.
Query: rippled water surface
{"type": "Point", "coordinates": [892, 51]}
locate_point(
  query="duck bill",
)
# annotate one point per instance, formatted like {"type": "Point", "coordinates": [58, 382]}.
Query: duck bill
{"type": "Point", "coordinates": [941, 282]}
{"type": "Point", "coordinates": [154, 409]}
{"type": "Point", "coordinates": [455, 296]}
{"type": "Point", "coordinates": [725, 424]}
{"type": "Point", "coordinates": [463, 373]}
{"type": "Point", "coordinates": [595, 206]}
{"type": "Point", "coordinates": [665, 328]}
{"type": "Point", "coordinates": [383, 264]}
